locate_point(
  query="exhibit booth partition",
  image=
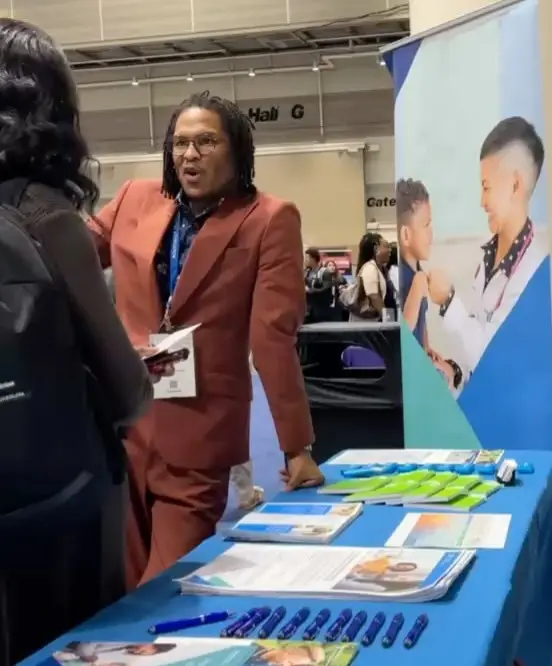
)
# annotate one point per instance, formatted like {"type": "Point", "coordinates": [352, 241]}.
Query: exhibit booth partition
{"type": "Point", "coordinates": [472, 163]}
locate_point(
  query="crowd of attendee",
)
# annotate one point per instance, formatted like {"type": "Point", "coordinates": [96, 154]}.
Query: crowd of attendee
{"type": "Point", "coordinates": [371, 295]}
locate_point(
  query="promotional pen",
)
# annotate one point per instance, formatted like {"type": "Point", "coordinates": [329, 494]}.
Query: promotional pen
{"type": "Point", "coordinates": [311, 632]}
{"type": "Point", "coordinates": [189, 623]}
{"type": "Point", "coordinates": [392, 632]}
{"type": "Point", "coordinates": [272, 622]}
{"type": "Point", "coordinates": [356, 625]}
{"type": "Point", "coordinates": [337, 627]}
{"type": "Point", "coordinates": [296, 621]}
{"type": "Point", "coordinates": [260, 616]}
{"type": "Point", "coordinates": [373, 629]}
{"type": "Point", "coordinates": [229, 631]}
{"type": "Point", "coordinates": [414, 634]}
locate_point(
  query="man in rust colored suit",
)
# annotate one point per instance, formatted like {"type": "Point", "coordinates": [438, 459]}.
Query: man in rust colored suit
{"type": "Point", "coordinates": [205, 247]}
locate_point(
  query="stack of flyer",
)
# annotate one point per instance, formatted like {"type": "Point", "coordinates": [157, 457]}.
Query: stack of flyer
{"type": "Point", "coordinates": [206, 652]}
{"type": "Point", "coordinates": [294, 522]}
{"type": "Point", "coordinates": [371, 574]}
{"type": "Point", "coordinates": [421, 488]}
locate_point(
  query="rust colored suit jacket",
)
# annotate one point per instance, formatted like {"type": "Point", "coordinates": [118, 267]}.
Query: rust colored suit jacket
{"type": "Point", "coordinates": [243, 282]}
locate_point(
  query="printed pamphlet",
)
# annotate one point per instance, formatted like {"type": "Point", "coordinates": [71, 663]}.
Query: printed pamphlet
{"type": "Point", "coordinates": [400, 574]}
{"type": "Point", "coordinates": [294, 522]}
{"type": "Point", "coordinates": [207, 652]}
{"type": "Point", "coordinates": [446, 530]}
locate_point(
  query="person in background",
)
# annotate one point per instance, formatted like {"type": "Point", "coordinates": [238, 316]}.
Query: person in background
{"type": "Point", "coordinates": [393, 270]}
{"type": "Point", "coordinates": [415, 241]}
{"type": "Point", "coordinates": [373, 254]}
{"type": "Point", "coordinates": [319, 288]}
{"type": "Point", "coordinates": [58, 579]}
{"type": "Point", "coordinates": [203, 246]}
{"type": "Point", "coordinates": [390, 302]}
{"type": "Point", "coordinates": [339, 283]}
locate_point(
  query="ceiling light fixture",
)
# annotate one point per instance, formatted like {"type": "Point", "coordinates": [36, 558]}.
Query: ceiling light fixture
{"type": "Point", "coordinates": [189, 77]}
{"type": "Point", "coordinates": [315, 66]}
{"type": "Point", "coordinates": [135, 82]}
{"type": "Point", "coordinates": [252, 72]}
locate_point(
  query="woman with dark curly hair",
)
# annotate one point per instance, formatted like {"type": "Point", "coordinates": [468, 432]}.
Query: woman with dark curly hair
{"type": "Point", "coordinates": [54, 579]}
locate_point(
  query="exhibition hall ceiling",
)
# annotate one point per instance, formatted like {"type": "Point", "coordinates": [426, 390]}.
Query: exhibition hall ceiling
{"type": "Point", "coordinates": [94, 26]}
{"type": "Point", "coordinates": [303, 70]}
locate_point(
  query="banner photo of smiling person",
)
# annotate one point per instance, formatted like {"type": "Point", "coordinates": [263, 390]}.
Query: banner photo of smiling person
{"type": "Point", "coordinates": [472, 216]}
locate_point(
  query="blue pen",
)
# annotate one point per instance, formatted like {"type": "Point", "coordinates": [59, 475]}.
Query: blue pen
{"type": "Point", "coordinates": [296, 621]}
{"type": "Point", "coordinates": [189, 623]}
{"type": "Point", "coordinates": [311, 632]}
{"type": "Point", "coordinates": [373, 629]}
{"type": "Point", "coordinates": [260, 616]}
{"type": "Point", "coordinates": [337, 627]}
{"type": "Point", "coordinates": [356, 625]}
{"type": "Point", "coordinates": [228, 632]}
{"type": "Point", "coordinates": [272, 622]}
{"type": "Point", "coordinates": [392, 632]}
{"type": "Point", "coordinates": [414, 634]}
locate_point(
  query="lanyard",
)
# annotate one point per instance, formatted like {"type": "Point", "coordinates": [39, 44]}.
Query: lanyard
{"type": "Point", "coordinates": [174, 266]}
{"type": "Point", "coordinates": [490, 313]}
{"type": "Point", "coordinates": [174, 259]}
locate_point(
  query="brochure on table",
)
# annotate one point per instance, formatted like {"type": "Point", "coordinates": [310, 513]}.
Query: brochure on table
{"type": "Point", "coordinates": [445, 530]}
{"type": "Point", "coordinates": [400, 574]}
{"type": "Point", "coordinates": [415, 456]}
{"type": "Point", "coordinates": [294, 522]}
{"type": "Point", "coordinates": [207, 652]}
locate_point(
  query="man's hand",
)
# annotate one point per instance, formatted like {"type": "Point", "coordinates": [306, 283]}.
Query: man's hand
{"type": "Point", "coordinates": [301, 472]}
{"type": "Point", "coordinates": [440, 286]}
{"type": "Point", "coordinates": [156, 370]}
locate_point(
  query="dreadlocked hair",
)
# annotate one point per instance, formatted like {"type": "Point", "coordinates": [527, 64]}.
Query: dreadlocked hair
{"type": "Point", "coordinates": [237, 126]}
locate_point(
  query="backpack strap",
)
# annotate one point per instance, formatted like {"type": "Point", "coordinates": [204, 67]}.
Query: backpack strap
{"type": "Point", "coordinates": [12, 191]}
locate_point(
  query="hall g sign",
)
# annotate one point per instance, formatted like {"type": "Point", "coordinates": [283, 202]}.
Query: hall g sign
{"type": "Point", "coordinates": [273, 114]}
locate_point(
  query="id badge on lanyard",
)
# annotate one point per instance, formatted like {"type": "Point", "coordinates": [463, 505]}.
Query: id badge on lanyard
{"type": "Point", "coordinates": [174, 270]}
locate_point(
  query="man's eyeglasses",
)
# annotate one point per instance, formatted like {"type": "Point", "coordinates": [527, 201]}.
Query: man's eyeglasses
{"type": "Point", "coordinates": [204, 144]}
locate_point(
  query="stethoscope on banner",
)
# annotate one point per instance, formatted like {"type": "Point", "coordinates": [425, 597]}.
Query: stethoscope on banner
{"type": "Point", "coordinates": [489, 314]}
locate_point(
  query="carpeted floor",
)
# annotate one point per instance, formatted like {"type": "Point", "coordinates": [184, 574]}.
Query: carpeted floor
{"type": "Point", "coordinates": [265, 452]}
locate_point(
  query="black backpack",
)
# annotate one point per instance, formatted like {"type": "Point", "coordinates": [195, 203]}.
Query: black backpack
{"type": "Point", "coordinates": [58, 451]}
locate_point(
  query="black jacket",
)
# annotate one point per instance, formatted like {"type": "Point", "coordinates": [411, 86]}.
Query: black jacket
{"type": "Point", "coordinates": [106, 348]}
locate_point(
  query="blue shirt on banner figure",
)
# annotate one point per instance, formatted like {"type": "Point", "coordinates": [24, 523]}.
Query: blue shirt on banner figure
{"type": "Point", "coordinates": [511, 161]}
{"type": "Point", "coordinates": [415, 241]}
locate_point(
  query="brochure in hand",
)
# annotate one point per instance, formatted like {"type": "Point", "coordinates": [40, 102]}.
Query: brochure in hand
{"type": "Point", "coordinates": [294, 522]}
{"type": "Point", "coordinates": [207, 652]}
{"type": "Point", "coordinates": [375, 574]}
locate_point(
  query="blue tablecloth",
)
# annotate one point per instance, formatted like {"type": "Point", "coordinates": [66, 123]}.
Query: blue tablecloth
{"type": "Point", "coordinates": [500, 610]}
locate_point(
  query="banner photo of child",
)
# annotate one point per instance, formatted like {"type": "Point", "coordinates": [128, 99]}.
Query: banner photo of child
{"type": "Point", "coordinates": [415, 230]}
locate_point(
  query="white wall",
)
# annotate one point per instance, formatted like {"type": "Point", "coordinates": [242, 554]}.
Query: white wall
{"type": "Point", "coordinates": [379, 167]}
